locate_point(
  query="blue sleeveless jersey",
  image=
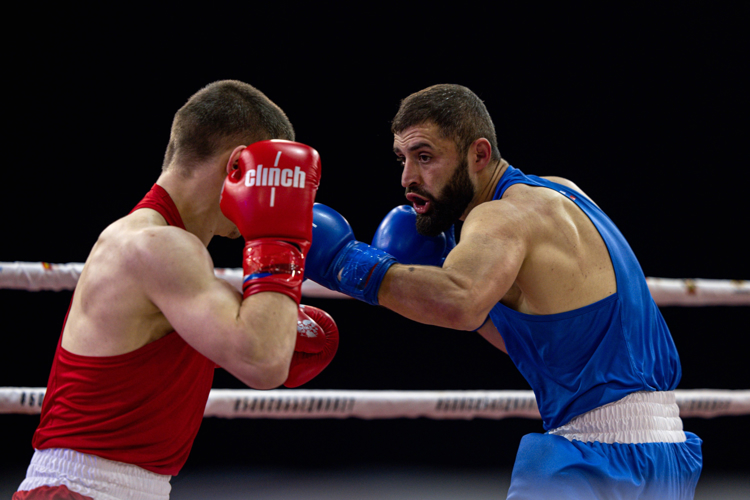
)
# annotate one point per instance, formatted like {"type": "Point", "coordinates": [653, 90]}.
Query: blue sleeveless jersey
{"type": "Point", "coordinates": [582, 359]}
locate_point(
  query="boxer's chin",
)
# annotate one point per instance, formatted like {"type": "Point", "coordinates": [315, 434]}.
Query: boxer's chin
{"type": "Point", "coordinates": [446, 209]}
{"type": "Point", "coordinates": [433, 222]}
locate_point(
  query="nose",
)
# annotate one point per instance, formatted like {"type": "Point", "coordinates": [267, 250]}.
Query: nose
{"type": "Point", "coordinates": [410, 175]}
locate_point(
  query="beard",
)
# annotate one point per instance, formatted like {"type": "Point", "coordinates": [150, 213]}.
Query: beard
{"type": "Point", "coordinates": [449, 205]}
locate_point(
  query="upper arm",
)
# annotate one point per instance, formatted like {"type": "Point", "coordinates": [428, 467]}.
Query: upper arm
{"type": "Point", "coordinates": [208, 313]}
{"type": "Point", "coordinates": [177, 276]}
{"type": "Point", "coordinates": [476, 274]}
{"type": "Point", "coordinates": [490, 253]}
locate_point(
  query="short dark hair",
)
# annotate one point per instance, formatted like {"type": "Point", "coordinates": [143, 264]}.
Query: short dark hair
{"type": "Point", "coordinates": [457, 111]}
{"type": "Point", "coordinates": [222, 113]}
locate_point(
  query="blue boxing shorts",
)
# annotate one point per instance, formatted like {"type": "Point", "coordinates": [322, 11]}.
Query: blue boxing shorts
{"type": "Point", "coordinates": [549, 466]}
{"type": "Point", "coordinates": [632, 448]}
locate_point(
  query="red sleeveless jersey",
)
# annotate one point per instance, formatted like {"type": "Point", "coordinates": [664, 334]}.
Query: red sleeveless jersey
{"type": "Point", "coordinates": [143, 407]}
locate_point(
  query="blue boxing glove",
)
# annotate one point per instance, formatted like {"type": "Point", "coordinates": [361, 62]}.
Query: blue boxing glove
{"type": "Point", "coordinates": [398, 236]}
{"type": "Point", "coordinates": [339, 262]}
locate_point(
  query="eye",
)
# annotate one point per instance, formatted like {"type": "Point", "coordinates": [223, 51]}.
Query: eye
{"type": "Point", "coordinates": [424, 158]}
{"type": "Point", "coordinates": [400, 160]}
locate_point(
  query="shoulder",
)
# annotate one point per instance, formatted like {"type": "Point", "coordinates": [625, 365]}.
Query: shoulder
{"type": "Point", "coordinates": [567, 183]}
{"type": "Point", "coordinates": [562, 181]}
{"type": "Point", "coordinates": [520, 203]}
{"type": "Point", "coordinates": [510, 218]}
{"type": "Point", "coordinates": [525, 213]}
{"type": "Point", "coordinates": [148, 247]}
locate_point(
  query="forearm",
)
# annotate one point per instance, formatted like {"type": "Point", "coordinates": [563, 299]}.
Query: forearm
{"type": "Point", "coordinates": [264, 343]}
{"type": "Point", "coordinates": [431, 295]}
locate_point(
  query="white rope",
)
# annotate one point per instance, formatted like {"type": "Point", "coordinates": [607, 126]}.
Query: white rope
{"type": "Point", "coordinates": [706, 403]}
{"type": "Point", "coordinates": [440, 405]}
{"type": "Point", "coordinates": [699, 292]}
{"type": "Point", "coordinates": [36, 276]}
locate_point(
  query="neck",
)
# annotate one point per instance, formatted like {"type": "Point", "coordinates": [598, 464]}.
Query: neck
{"type": "Point", "coordinates": [196, 198]}
{"type": "Point", "coordinates": [488, 179]}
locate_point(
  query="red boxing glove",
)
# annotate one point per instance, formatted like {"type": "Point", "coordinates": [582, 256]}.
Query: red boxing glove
{"type": "Point", "coordinates": [269, 197]}
{"type": "Point", "coordinates": [317, 342]}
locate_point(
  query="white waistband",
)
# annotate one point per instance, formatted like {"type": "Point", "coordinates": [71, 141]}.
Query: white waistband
{"type": "Point", "coordinates": [640, 417]}
{"type": "Point", "coordinates": [94, 476]}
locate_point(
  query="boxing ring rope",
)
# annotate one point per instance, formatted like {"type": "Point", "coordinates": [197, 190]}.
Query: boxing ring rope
{"type": "Point", "coordinates": [439, 405]}
{"type": "Point", "coordinates": [302, 403]}
{"type": "Point", "coordinates": [42, 276]}
{"type": "Point", "coordinates": [38, 276]}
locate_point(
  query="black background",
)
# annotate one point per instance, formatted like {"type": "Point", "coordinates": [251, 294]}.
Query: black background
{"type": "Point", "coordinates": [645, 109]}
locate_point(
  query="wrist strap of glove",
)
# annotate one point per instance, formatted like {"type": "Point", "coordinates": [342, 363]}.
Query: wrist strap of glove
{"type": "Point", "coordinates": [359, 270]}
{"type": "Point", "coordinates": [273, 266]}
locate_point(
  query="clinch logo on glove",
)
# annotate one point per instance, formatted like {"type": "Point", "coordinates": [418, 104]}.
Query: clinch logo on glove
{"type": "Point", "coordinates": [308, 328]}
{"type": "Point", "coordinates": [275, 176]}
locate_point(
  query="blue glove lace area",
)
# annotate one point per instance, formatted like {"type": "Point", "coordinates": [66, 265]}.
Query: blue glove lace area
{"type": "Point", "coordinates": [359, 270]}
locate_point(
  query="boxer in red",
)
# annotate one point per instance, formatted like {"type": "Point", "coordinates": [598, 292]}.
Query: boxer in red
{"type": "Point", "coordinates": [149, 320]}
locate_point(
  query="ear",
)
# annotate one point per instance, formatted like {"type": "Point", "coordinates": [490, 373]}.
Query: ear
{"type": "Point", "coordinates": [233, 162]}
{"type": "Point", "coordinates": [480, 153]}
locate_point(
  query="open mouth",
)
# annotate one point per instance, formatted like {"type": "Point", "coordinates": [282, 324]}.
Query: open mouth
{"type": "Point", "coordinates": [420, 203]}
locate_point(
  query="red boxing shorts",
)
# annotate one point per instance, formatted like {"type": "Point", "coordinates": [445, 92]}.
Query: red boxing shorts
{"type": "Point", "coordinates": [61, 473]}
{"type": "Point", "coordinates": [49, 493]}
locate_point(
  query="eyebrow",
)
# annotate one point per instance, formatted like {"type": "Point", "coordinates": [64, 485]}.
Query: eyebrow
{"type": "Point", "coordinates": [414, 147]}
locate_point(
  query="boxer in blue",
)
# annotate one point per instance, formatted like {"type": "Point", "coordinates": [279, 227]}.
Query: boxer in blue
{"type": "Point", "coordinates": [545, 276]}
